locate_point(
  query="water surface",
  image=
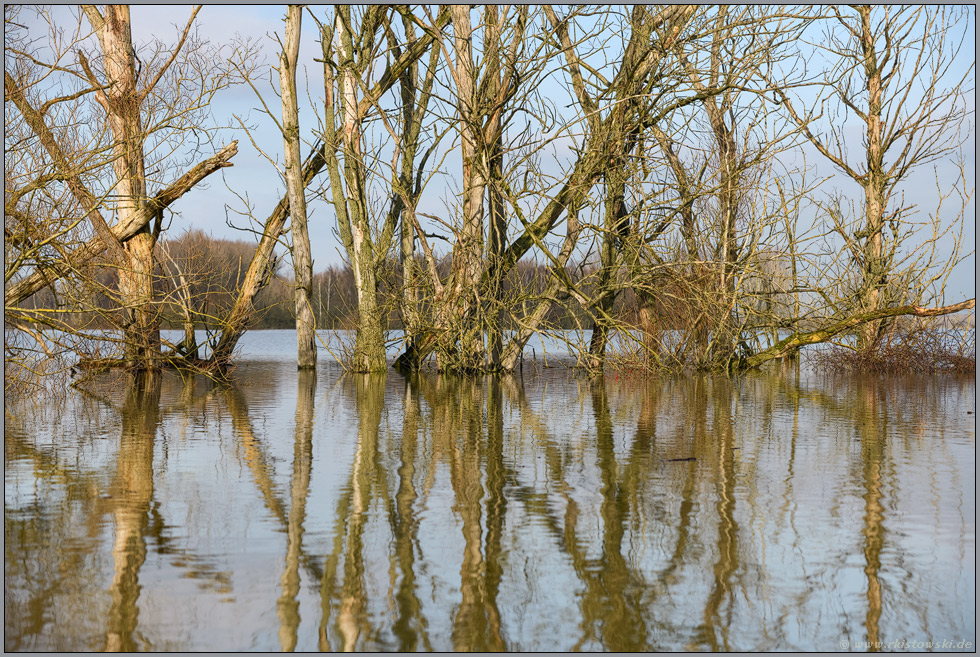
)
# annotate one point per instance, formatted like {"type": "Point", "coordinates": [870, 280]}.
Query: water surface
{"type": "Point", "coordinates": [778, 511]}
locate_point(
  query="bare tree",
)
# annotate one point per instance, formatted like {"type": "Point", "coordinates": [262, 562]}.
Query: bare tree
{"type": "Point", "coordinates": [733, 227]}
{"type": "Point", "coordinates": [481, 96]}
{"type": "Point", "coordinates": [616, 125]}
{"type": "Point", "coordinates": [348, 52]}
{"type": "Point", "coordinates": [95, 118]}
{"type": "Point", "coordinates": [467, 293]}
{"type": "Point", "coordinates": [891, 68]}
{"type": "Point", "coordinates": [406, 182]}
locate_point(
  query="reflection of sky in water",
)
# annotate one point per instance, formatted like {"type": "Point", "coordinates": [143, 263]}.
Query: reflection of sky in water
{"type": "Point", "coordinates": [451, 514]}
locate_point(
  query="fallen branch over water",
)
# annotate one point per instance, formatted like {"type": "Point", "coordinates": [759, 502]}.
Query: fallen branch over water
{"type": "Point", "coordinates": [793, 343]}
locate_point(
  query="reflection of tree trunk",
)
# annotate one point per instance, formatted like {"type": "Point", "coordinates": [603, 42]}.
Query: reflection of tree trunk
{"type": "Point", "coordinates": [727, 550]}
{"type": "Point", "coordinates": [609, 601]}
{"type": "Point", "coordinates": [255, 456]}
{"type": "Point", "coordinates": [351, 619]}
{"type": "Point", "coordinates": [409, 622]}
{"type": "Point", "coordinates": [496, 508]}
{"type": "Point", "coordinates": [351, 515]}
{"type": "Point", "coordinates": [287, 604]}
{"type": "Point", "coordinates": [874, 511]}
{"type": "Point", "coordinates": [470, 627]}
{"type": "Point", "coordinates": [132, 490]}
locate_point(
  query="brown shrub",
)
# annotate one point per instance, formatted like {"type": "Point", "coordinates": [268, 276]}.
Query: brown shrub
{"type": "Point", "coordinates": [914, 350]}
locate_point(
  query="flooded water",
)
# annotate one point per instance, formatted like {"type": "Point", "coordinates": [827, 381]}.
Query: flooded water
{"type": "Point", "coordinates": [777, 511]}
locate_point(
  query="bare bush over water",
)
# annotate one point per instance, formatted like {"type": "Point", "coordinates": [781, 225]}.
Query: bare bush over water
{"type": "Point", "coordinates": [912, 350]}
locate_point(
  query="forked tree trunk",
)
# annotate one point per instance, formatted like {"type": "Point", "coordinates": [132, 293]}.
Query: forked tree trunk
{"type": "Point", "coordinates": [121, 101]}
{"type": "Point", "coordinates": [261, 266]}
{"type": "Point", "coordinates": [349, 186]}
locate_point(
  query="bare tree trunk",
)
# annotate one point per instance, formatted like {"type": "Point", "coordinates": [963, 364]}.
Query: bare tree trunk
{"type": "Point", "coordinates": [302, 258]}
{"type": "Point", "coordinates": [874, 268]}
{"type": "Point", "coordinates": [729, 173]}
{"type": "Point", "coordinates": [620, 142]}
{"type": "Point", "coordinates": [349, 191]}
{"type": "Point", "coordinates": [498, 79]}
{"type": "Point", "coordinates": [467, 308]}
{"type": "Point", "coordinates": [259, 270]}
{"type": "Point", "coordinates": [496, 244]}
{"type": "Point", "coordinates": [121, 102]}
{"type": "Point", "coordinates": [406, 187]}
{"type": "Point", "coordinates": [468, 251]}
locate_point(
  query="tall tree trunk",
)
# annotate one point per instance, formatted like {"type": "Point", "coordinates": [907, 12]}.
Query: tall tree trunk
{"type": "Point", "coordinates": [302, 258]}
{"type": "Point", "coordinates": [121, 101]}
{"type": "Point", "coordinates": [349, 193]}
{"type": "Point", "coordinates": [496, 244]}
{"type": "Point", "coordinates": [260, 269]}
{"type": "Point", "coordinates": [497, 78]}
{"type": "Point", "coordinates": [874, 268]}
{"type": "Point", "coordinates": [468, 252]}
{"type": "Point", "coordinates": [616, 228]}
{"type": "Point", "coordinates": [618, 143]}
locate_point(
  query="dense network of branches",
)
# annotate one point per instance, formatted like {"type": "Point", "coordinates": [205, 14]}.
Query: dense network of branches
{"type": "Point", "coordinates": [683, 186]}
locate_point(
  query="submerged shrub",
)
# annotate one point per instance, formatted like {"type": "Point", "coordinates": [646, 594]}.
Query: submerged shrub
{"type": "Point", "coordinates": [917, 350]}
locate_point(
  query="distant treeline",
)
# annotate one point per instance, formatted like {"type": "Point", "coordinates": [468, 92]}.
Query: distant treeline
{"type": "Point", "coordinates": [206, 273]}
{"type": "Point", "coordinates": [212, 270]}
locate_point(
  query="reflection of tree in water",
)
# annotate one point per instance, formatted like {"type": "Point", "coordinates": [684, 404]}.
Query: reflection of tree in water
{"type": "Point", "coordinates": [457, 423]}
{"type": "Point", "coordinates": [138, 523]}
{"type": "Point", "coordinates": [460, 409]}
{"type": "Point", "coordinates": [353, 506]}
{"type": "Point", "coordinates": [132, 492]}
{"type": "Point", "coordinates": [408, 626]}
{"type": "Point", "coordinates": [872, 458]}
{"type": "Point", "coordinates": [717, 621]}
{"type": "Point", "coordinates": [45, 543]}
{"type": "Point", "coordinates": [628, 504]}
{"type": "Point", "coordinates": [611, 609]}
{"type": "Point", "coordinates": [51, 535]}
{"type": "Point", "coordinates": [288, 606]}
